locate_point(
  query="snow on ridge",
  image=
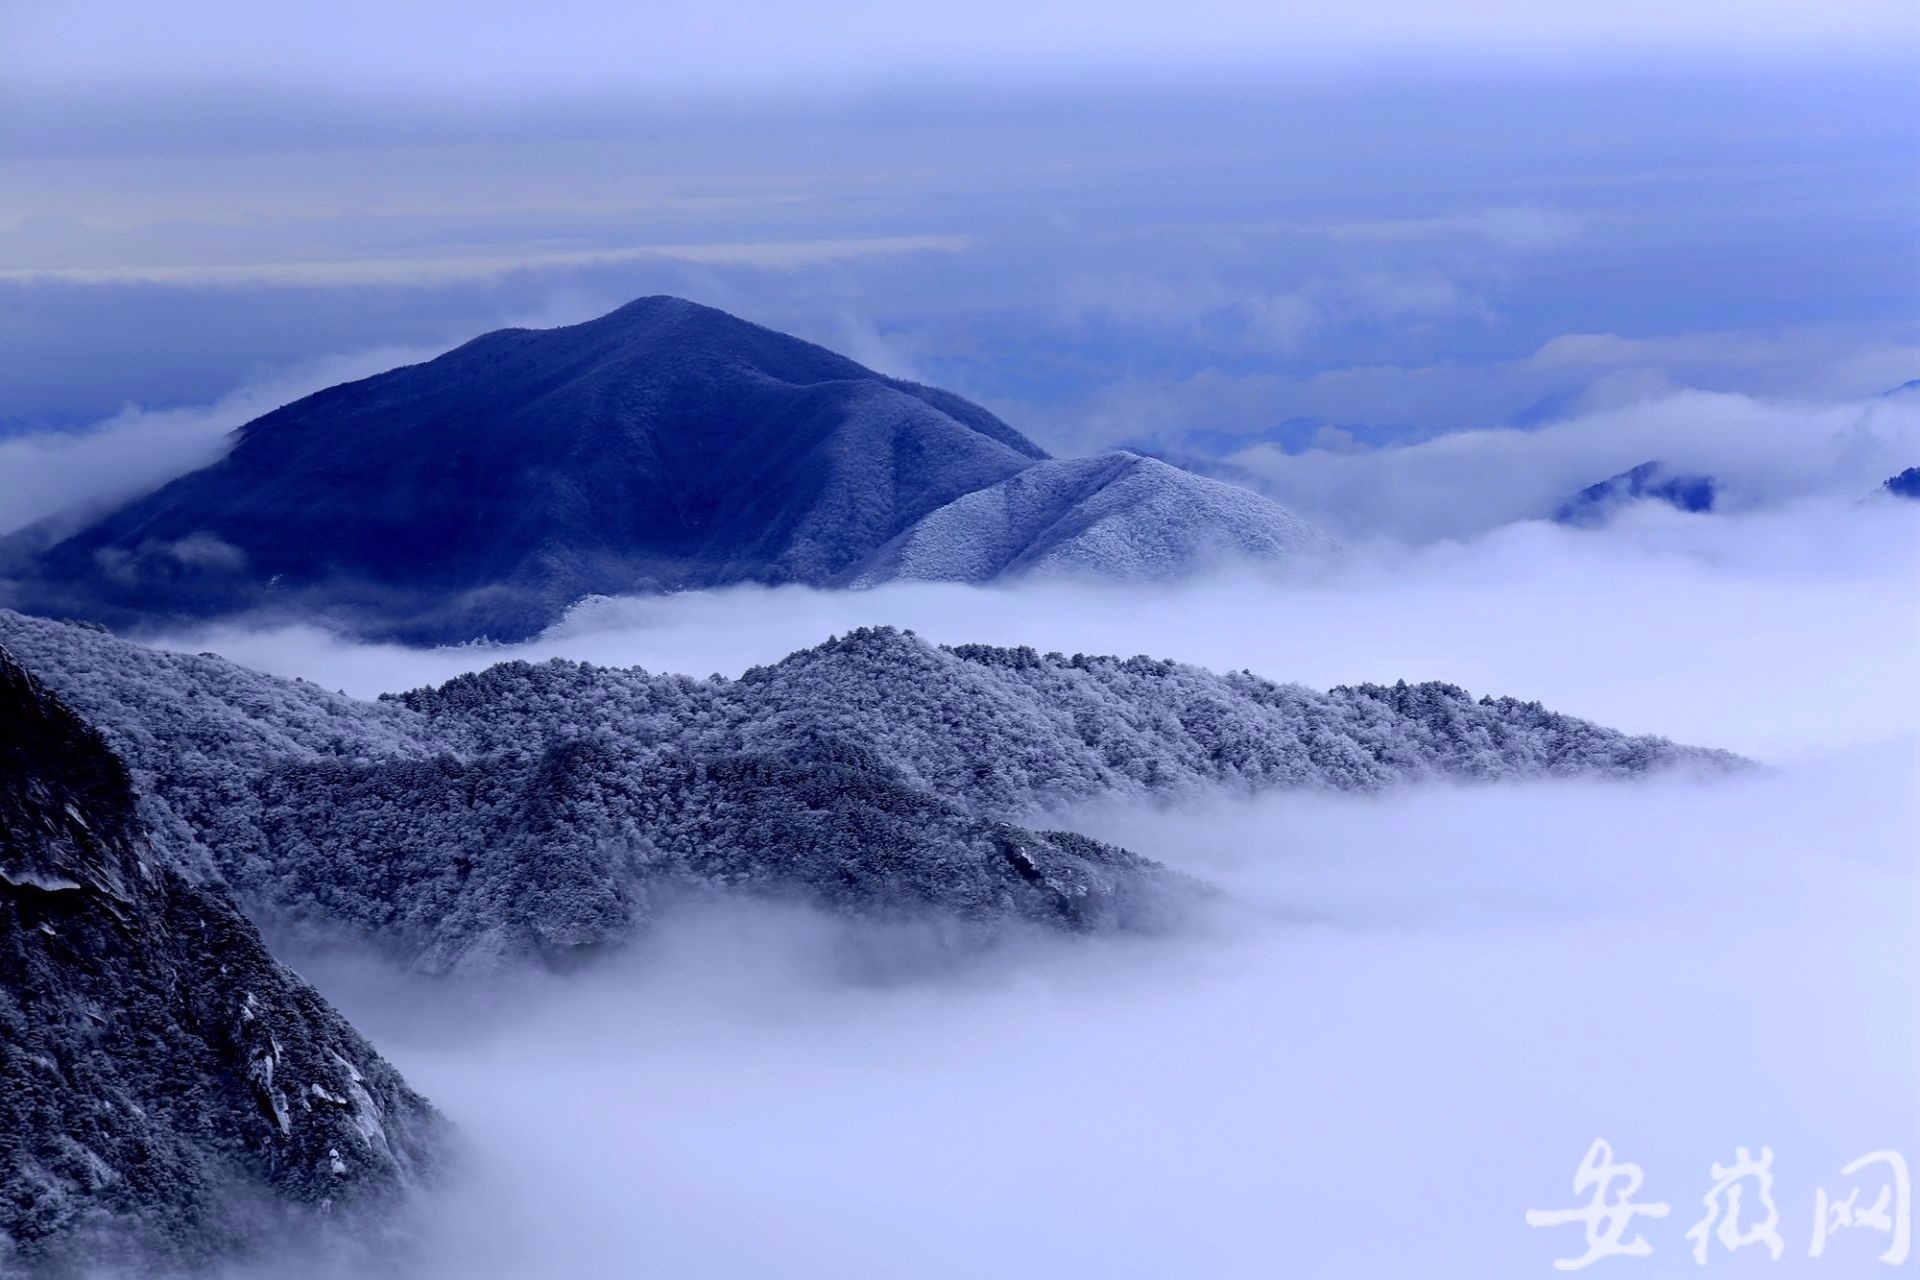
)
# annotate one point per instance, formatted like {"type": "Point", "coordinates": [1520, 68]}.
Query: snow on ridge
{"type": "Point", "coordinates": [520, 812]}
{"type": "Point", "coordinates": [1114, 516]}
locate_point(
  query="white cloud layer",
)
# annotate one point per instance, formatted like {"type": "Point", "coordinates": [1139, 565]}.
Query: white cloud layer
{"type": "Point", "coordinates": [1663, 624]}
{"type": "Point", "coordinates": [1419, 1012]}
{"type": "Point", "coordinates": [1762, 453]}
{"type": "Point", "coordinates": [572, 45]}
{"type": "Point", "coordinates": [1403, 1027]}
{"type": "Point", "coordinates": [424, 267]}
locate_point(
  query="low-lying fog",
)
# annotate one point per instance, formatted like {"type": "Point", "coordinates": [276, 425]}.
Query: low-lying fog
{"type": "Point", "coordinates": [1775, 634]}
{"type": "Point", "coordinates": [1403, 1026]}
{"type": "Point", "coordinates": [1406, 1027]}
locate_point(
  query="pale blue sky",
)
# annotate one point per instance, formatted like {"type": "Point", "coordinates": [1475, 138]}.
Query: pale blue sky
{"type": "Point", "coordinates": [1109, 224]}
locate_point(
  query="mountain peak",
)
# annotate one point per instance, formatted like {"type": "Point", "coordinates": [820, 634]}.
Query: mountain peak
{"type": "Point", "coordinates": [662, 446]}
{"type": "Point", "coordinates": [664, 318]}
{"type": "Point", "coordinates": [665, 445]}
{"type": "Point", "coordinates": [1651, 480]}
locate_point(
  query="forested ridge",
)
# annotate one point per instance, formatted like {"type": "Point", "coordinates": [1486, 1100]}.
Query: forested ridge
{"type": "Point", "coordinates": [527, 811]}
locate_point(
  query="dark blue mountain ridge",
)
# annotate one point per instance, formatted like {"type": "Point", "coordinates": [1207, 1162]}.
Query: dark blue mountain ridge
{"type": "Point", "coordinates": [1904, 485]}
{"type": "Point", "coordinates": [663, 446]}
{"type": "Point", "coordinates": [1597, 503]}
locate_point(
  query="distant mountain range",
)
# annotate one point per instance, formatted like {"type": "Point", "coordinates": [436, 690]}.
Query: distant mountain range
{"type": "Point", "coordinates": [533, 812]}
{"type": "Point", "coordinates": [169, 1093]}
{"type": "Point", "coordinates": [661, 447]}
{"type": "Point", "coordinates": [1650, 481]}
{"type": "Point", "coordinates": [1656, 482]}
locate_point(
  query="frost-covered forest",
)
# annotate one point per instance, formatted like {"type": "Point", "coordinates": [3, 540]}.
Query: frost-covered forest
{"type": "Point", "coordinates": [526, 812]}
{"type": "Point", "coordinates": [1116, 516]}
{"type": "Point", "coordinates": [1049, 641]}
{"type": "Point", "coordinates": [172, 1092]}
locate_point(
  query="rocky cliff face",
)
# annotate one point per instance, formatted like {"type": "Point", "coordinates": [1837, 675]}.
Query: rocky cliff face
{"type": "Point", "coordinates": [169, 1093]}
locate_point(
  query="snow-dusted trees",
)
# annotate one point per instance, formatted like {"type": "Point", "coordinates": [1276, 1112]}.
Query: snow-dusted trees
{"type": "Point", "coordinates": [531, 809]}
{"type": "Point", "coordinates": [166, 1087]}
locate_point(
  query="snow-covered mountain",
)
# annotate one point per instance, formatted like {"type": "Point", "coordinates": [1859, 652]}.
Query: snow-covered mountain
{"type": "Point", "coordinates": [168, 1091]}
{"type": "Point", "coordinates": [531, 811]}
{"type": "Point", "coordinates": [663, 446]}
{"type": "Point", "coordinates": [1116, 516]}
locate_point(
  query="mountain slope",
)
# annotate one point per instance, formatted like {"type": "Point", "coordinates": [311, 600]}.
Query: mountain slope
{"type": "Point", "coordinates": [1598, 503]}
{"type": "Point", "coordinates": [168, 1092]}
{"type": "Point", "coordinates": [1117, 516]}
{"type": "Point", "coordinates": [664, 445]}
{"type": "Point", "coordinates": [533, 811]}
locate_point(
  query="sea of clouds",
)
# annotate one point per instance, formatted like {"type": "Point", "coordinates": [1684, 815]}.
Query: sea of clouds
{"type": "Point", "coordinates": [1405, 1024]}
{"type": "Point", "coordinates": [1408, 1026]}
{"type": "Point", "coordinates": [1761, 453]}
{"type": "Point", "coordinates": [1775, 633]}
{"type": "Point", "coordinates": [1407, 1019]}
